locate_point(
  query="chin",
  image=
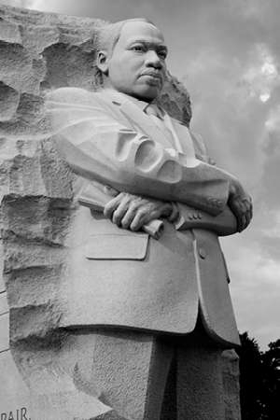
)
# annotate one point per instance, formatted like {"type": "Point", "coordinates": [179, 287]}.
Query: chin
{"type": "Point", "coordinates": [147, 95]}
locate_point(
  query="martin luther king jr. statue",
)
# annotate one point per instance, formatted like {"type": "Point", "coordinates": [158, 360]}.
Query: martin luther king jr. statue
{"type": "Point", "coordinates": [157, 312]}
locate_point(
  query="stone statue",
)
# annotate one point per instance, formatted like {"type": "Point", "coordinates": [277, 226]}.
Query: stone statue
{"type": "Point", "coordinates": [114, 302]}
{"type": "Point", "coordinates": [150, 315]}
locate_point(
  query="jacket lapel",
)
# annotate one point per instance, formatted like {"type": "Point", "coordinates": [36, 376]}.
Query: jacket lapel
{"type": "Point", "coordinates": [131, 113]}
{"type": "Point", "coordinates": [144, 123]}
{"type": "Point", "coordinates": [184, 138]}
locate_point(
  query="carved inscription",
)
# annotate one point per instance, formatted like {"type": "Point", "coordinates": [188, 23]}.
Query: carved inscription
{"type": "Point", "coordinates": [17, 414]}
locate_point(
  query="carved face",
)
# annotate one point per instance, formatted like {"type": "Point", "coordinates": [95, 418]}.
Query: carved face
{"type": "Point", "coordinates": [136, 66]}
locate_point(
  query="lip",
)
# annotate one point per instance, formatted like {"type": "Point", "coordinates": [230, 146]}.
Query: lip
{"type": "Point", "coordinates": [153, 78]}
{"type": "Point", "coordinates": [153, 75]}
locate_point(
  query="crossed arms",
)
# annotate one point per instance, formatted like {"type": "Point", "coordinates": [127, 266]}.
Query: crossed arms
{"type": "Point", "coordinates": [100, 147]}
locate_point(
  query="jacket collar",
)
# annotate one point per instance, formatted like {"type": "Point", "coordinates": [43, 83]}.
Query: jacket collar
{"type": "Point", "coordinates": [133, 109]}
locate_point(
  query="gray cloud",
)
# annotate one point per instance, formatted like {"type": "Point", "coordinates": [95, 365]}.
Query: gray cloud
{"type": "Point", "coordinates": [18, 3]}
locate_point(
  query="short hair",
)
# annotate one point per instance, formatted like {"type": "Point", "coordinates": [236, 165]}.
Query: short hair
{"type": "Point", "coordinates": [107, 38]}
{"type": "Point", "coordinates": [109, 34]}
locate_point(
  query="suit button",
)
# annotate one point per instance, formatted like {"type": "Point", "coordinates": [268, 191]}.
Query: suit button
{"type": "Point", "coordinates": [195, 216]}
{"type": "Point", "coordinates": [199, 215]}
{"type": "Point", "coordinates": [202, 253]}
{"type": "Point", "coordinates": [190, 216]}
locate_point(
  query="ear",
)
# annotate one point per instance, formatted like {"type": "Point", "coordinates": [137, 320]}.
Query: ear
{"type": "Point", "coordinates": [102, 61]}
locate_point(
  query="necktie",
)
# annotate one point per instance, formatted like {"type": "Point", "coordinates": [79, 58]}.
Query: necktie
{"type": "Point", "coordinates": [154, 110]}
{"type": "Point", "coordinates": [158, 117]}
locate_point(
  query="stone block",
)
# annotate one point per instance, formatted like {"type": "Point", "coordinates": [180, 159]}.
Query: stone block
{"type": "Point", "coordinates": [231, 386]}
{"type": "Point", "coordinates": [3, 304]}
{"type": "Point", "coordinates": [4, 332]}
{"type": "Point", "coordinates": [2, 286]}
{"type": "Point", "coordinates": [14, 394]}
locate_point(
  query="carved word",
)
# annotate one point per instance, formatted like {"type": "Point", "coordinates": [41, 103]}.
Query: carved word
{"type": "Point", "coordinates": [19, 414]}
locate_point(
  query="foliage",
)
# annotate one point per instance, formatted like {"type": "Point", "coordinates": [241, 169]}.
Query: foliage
{"type": "Point", "coordinates": [259, 380]}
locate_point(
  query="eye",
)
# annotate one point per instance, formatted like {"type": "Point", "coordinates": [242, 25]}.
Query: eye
{"type": "Point", "coordinates": [138, 48]}
{"type": "Point", "coordinates": [162, 54]}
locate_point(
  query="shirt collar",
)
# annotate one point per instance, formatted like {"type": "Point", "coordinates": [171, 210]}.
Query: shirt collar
{"type": "Point", "coordinates": [120, 96]}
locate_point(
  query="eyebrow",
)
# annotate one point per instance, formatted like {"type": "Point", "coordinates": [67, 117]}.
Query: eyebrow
{"type": "Point", "coordinates": [149, 44]}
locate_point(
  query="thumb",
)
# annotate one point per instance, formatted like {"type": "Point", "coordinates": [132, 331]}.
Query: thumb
{"type": "Point", "coordinates": [110, 191]}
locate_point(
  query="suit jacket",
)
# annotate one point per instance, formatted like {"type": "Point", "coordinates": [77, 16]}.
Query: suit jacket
{"type": "Point", "coordinates": [115, 277]}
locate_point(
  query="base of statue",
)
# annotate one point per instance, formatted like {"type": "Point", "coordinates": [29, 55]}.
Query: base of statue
{"type": "Point", "coordinates": [110, 375]}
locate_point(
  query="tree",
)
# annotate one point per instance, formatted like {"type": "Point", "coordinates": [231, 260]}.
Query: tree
{"type": "Point", "coordinates": [259, 379]}
{"type": "Point", "coordinates": [271, 381]}
{"type": "Point", "coordinates": [250, 378]}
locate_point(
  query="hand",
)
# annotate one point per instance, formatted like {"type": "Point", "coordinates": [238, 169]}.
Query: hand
{"type": "Point", "coordinates": [240, 204]}
{"type": "Point", "coordinates": [133, 212]}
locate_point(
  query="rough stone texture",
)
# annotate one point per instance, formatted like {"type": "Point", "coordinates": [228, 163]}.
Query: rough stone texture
{"type": "Point", "coordinates": [231, 385]}
{"type": "Point", "coordinates": [39, 52]}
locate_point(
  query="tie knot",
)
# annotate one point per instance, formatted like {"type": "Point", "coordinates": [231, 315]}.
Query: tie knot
{"type": "Point", "coordinates": [153, 109]}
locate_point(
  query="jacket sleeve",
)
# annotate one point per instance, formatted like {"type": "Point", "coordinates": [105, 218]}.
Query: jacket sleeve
{"type": "Point", "coordinates": [224, 223]}
{"type": "Point", "coordinates": [99, 148]}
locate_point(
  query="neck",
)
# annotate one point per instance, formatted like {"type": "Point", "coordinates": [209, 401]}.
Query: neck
{"type": "Point", "coordinates": [107, 85]}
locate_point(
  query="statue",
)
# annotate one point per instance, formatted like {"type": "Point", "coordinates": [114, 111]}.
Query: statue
{"type": "Point", "coordinates": [114, 302]}
{"type": "Point", "coordinates": [151, 308]}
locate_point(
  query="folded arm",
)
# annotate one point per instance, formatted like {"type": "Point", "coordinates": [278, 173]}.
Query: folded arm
{"type": "Point", "coordinates": [97, 147]}
{"type": "Point", "coordinates": [132, 212]}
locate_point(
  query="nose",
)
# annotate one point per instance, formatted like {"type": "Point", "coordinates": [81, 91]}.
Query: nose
{"type": "Point", "coordinates": [153, 60]}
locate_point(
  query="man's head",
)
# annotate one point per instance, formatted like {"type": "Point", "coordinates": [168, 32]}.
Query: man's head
{"type": "Point", "coordinates": [131, 57]}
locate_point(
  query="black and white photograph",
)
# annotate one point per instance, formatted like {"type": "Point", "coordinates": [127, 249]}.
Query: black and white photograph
{"type": "Point", "coordinates": [139, 210]}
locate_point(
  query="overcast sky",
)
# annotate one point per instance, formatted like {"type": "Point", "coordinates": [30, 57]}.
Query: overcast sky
{"type": "Point", "coordinates": [227, 52]}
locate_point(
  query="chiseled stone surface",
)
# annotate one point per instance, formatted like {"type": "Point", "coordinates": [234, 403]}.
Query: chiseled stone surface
{"type": "Point", "coordinates": [14, 393]}
{"type": "Point", "coordinates": [39, 52]}
{"type": "Point", "coordinates": [3, 304]}
{"type": "Point", "coordinates": [230, 370]}
{"type": "Point", "coordinates": [4, 332]}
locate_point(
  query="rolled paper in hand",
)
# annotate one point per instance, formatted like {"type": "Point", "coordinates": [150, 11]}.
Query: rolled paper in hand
{"type": "Point", "coordinates": [95, 198]}
{"type": "Point", "coordinates": [154, 228]}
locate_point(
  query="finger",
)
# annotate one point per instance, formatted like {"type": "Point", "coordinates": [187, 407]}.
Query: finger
{"type": "Point", "coordinates": [110, 207]}
{"type": "Point", "coordinates": [128, 217]}
{"type": "Point", "coordinates": [239, 217]}
{"type": "Point", "coordinates": [120, 212]}
{"type": "Point", "coordinates": [248, 212]}
{"type": "Point", "coordinates": [243, 218]}
{"type": "Point", "coordinates": [239, 224]}
{"type": "Point", "coordinates": [243, 211]}
{"type": "Point", "coordinates": [246, 218]}
{"type": "Point", "coordinates": [242, 224]}
{"type": "Point", "coordinates": [250, 205]}
{"type": "Point", "coordinates": [174, 214]}
{"type": "Point", "coordinates": [237, 207]}
{"type": "Point", "coordinates": [110, 191]}
{"type": "Point", "coordinates": [139, 220]}
{"type": "Point", "coordinates": [249, 216]}
{"type": "Point", "coordinates": [251, 212]}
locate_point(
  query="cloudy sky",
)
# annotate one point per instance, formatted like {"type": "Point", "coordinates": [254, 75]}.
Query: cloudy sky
{"type": "Point", "coordinates": [228, 55]}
